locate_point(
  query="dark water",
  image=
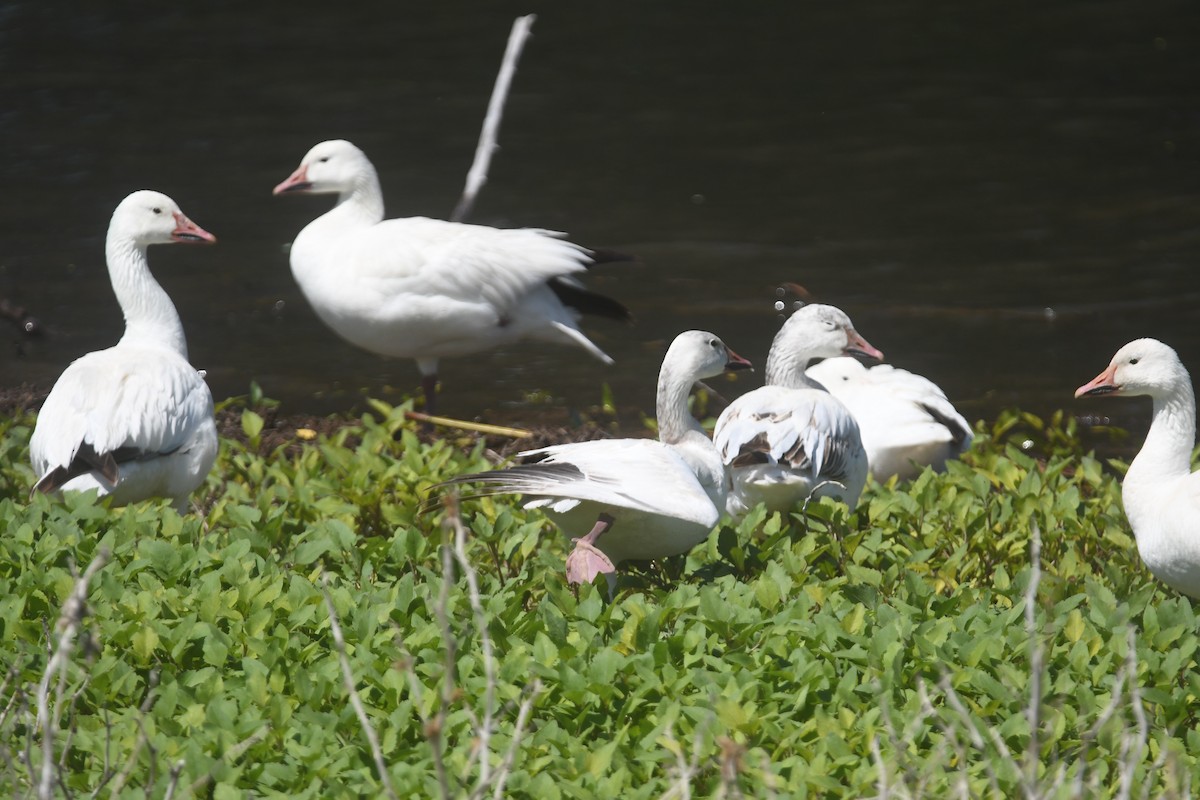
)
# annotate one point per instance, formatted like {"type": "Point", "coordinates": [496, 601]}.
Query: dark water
{"type": "Point", "coordinates": [999, 194]}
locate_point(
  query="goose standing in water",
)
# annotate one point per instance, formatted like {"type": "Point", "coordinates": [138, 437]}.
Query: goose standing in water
{"type": "Point", "coordinates": [1160, 492]}
{"type": "Point", "coordinates": [136, 420]}
{"type": "Point", "coordinates": [644, 499]}
{"type": "Point", "coordinates": [428, 289]}
{"type": "Point", "coordinates": [791, 439]}
{"type": "Point", "coordinates": [906, 421]}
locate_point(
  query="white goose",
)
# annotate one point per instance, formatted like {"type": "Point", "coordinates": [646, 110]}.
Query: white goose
{"type": "Point", "coordinates": [791, 439]}
{"type": "Point", "coordinates": [136, 420]}
{"type": "Point", "coordinates": [1160, 492]}
{"type": "Point", "coordinates": [905, 420]}
{"type": "Point", "coordinates": [425, 288]}
{"type": "Point", "coordinates": [645, 499]}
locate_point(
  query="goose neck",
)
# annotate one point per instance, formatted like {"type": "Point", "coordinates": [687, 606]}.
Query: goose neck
{"type": "Point", "coordinates": [363, 200]}
{"type": "Point", "coordinates": [675, 421]}
{"type": "Point", "coordinates": [787, 369]}
{"type": "Point", "coordinates": [150, 316]}
{"type": "Point", "coordinates": [1167, 451]}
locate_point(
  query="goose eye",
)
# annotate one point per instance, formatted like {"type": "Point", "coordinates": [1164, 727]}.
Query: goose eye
{"type": "Point", "coordinates": [322, 160]}
{"type": "Point", "coordinates": [156, 210]}
{"type": "Point", "coordinates": [714, 343]}
{"type": "Point", "coordinates": [1134, 360]}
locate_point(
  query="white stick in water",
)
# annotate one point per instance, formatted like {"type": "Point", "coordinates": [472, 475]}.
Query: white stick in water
{"type": "Point", "coordinates": [477, 176]}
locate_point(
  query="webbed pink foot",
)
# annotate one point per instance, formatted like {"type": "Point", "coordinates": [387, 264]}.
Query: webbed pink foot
{"type": "Point", "coordinates": [586, 560]}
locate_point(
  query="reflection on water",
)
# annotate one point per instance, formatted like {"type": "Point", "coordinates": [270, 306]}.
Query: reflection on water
{"type": "Point", "coordinates": [998, 197]}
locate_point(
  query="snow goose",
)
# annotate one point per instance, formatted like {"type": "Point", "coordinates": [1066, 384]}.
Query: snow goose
{"type": "Point", "coordinates": [644, 499]}
{"type": "Point", "coordinates": [791, 439]}
{"type": "Point", "coordinates": [136, 420]}
{"type": "Point", "coordinates": [1160, 492]}
{"type": "Point", "coordinates": [429, 289]}
{"type": "Point", "coordinates": [905, 420]}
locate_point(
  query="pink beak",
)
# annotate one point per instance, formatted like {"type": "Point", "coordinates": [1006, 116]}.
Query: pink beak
{"type": "Point", "coordinates": [858, 346]}
{"type": "Point", "coordinates": [189, 232]}
{"type": "Point", "coordinates": [1104, 383]}
{"type": "Point", "coordinates": [736, 362]}
{"type": "Point", "coordinates": [296, 182]}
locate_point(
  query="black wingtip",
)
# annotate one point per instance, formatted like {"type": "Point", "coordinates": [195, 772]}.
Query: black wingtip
{"type": "Point", "coordinates": [86, 460]}
{"type": "Point", "coordinates": [585, 301]}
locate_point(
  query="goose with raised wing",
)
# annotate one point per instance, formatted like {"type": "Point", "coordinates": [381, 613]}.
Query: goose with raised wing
{"type": "Point", "coordinates": [428, 289]}
{"type": "Point", "coordinates": [1160, 492]}
{"type": "Point", "coordinates": [905, 419]}
{"type": "Point", "coordinates": [643, 499]}
{"type": "Point", "coordinates": [790, 439]}
{"type": "Point", "coordinates": [136, 420]}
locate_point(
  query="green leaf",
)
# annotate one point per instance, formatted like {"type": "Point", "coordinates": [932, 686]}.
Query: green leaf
{"type": "Point", "coordinates": [309, 551]}
{"type": "Point", "coordinates": [145, 640]}
{"type": "Point", "coordinates": [252, 425]}
{"type": "Point", "coordinates": [216, 651]}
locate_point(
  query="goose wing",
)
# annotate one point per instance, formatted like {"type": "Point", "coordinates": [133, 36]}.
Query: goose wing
{"type": "Point", "coordinates": [639, 474]}
{"type": "Point", "coordinates": [436, 258]}
{"type": "Point", "coordinates": [804, 429]}
{"type": "Point", "coordinates": [117, 405]}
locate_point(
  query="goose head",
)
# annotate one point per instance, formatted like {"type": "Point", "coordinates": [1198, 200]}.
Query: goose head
{"type": "Point", "coordinates": [700, 354]}
{"type": "Point", "coordinates": [148, 217]}
{"type": "Point", "coordinates": [1142, 367]}
{"type": "Point", "coordinates": [815, 331]}
{"type": "Point", "coordinates": [823, 331]}
{"type": "Point", "coordinates": [332, 167]}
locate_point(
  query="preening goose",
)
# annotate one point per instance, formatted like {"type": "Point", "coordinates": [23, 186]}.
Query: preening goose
{"type": "Point", "coordinates": [428, 289]}
{"type": "Point", "coordinates": [643, 499]}
{"type": "Point", "coordinates": [905, 420]}
{"type": "Point", "coordinates": [136, 420]}
{"type": "Point", "coordinates": [791, 439]}
{"type": "Point", "coordinates": [1160, 492]}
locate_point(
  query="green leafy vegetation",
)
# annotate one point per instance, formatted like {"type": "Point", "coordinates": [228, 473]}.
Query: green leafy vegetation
{"type": "Point", "coordinates": [908, 649]}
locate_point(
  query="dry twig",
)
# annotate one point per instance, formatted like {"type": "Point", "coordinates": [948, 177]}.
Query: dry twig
{"type": "Point", "coordinates": [462, 424]}
{"type": "Point", "coordinates": [477, 176]}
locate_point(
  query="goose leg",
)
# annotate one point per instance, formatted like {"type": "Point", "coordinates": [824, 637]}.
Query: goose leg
{"type": "Point", "coordinates": [586, 561]}
{"type": "Point", "coordinates": [429, 382]}
{"type": "Point", "coordinates": [429, 386]}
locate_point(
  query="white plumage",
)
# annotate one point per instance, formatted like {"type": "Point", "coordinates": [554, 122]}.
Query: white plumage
{"type": "Point", "coordinates": [791, 439]}
{"type": "Point", "coordinates": [648, 499]}
{"type": "Point", "coordinates": [906, 421]}
{"type": "Point", "coordinates": [135, 420]}
{"type": "Point", "coordinates": [1160, 492]}
{"type": "Point", "coordinates": [429, 289]}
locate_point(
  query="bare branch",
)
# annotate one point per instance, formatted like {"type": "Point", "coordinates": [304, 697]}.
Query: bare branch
{"type": "Point", "coordinates": [1036, 656]}
{"type": "Point", "coordinates": [415, 691]}
{"type": "Point", "coordinates": [883, 789]}
{"type": "Point", "coordinates": [477, 176]}
{"type": "Point", "coordinates": [682, 788]}
{"type": "Point", "coordinates": [13, 672]}
{"type": "Point", "coordinates": [142, 740]}
{"type": "Point", "coordinates": [433, 728]}
{"type": "Point", "coordinates": [485, 727]}
{"type": "Point", "coordinates": [348, 678]}
{"type": "Point", "coordinates": [69, 622]}
{"type": "Point", "coordinates": [500, 777]}
{"type": "Point", "coordinates": [176, 770]}
{"type": "Point", "coordinates": [62, 760]}
{"type": "Point", "coordinates": [229, 756]}
{"type": "Point", "coordinates": [1128, 763]}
